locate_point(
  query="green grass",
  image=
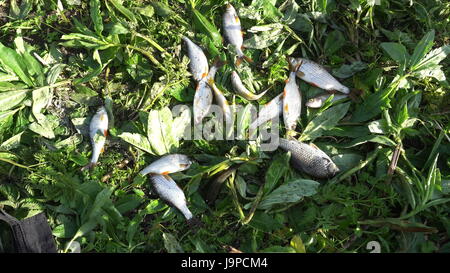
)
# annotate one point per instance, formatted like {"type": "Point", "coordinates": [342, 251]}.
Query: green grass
{"type": "Point", "coordinates": [61, 59]}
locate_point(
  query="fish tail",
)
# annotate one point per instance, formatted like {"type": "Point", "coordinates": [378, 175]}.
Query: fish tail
{"type": "Point", "coordinates": [218, 62]}
{"type": "Point", "coordinates": [293, 64]}
{"type": "Point", "coordinates": [194, 223]}
{"type": "Point", "coordinates": [89, 166]}
{"type": "Point", "coordinates": [355, 94]}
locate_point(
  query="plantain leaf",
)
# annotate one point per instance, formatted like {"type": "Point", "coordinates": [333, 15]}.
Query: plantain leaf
{"type": "Point", "coordinates": [289, 192]}
{"type": "Point", "coordinates": [137, 140]}
{"type": "Point", "coordinates": [11, 99]}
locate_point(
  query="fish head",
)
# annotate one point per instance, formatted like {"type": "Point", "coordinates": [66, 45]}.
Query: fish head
{"type": "Point", "coordinates": [184, 161]}
{"type": "Point", "coordinates": [101, 109]}
{"type": "Point", "coordinates": [314, 103]}
{"type": "Point", "coordinates": [330, 168]}
{"type": "Point", "coordinates": [294, 63]}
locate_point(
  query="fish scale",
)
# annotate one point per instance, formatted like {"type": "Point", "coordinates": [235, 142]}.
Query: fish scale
{"type": "Point", "coordinates": [169, 191]}
{"type": "Point", "coordinates": [309, 159]}
{"type": "Point", "coordinates": [316, 75]}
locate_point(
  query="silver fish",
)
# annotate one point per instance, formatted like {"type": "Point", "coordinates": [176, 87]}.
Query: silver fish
{"type": "Point", "coordinates": [98, 131]}
{"type": "Point", "coordinates": [198, 63]}
{"type": "Point", "coordinates": [292, 101]}
{"type": "Point", "coordinates": [269, 111]}
{"type": "Point", "coordinates": [318, 101]}
{"type": "Point", "coordinates": [220, 98]}
{"type": "Point", "coordinates": [316, 75]}
{"type": "Point", "coordinates": [309, 159]}
{"type": "Point", "coordinates": [233, 33]}
{"type": "Point", "coordinates": [169, 191]}
{"type": "Point", "coordinates": [168, 164]}
{"type": "Point", "coordinates": [241, 90]}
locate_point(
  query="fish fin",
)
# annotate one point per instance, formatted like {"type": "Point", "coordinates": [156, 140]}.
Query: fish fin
{"type": "Point", "coordinates": [238, 61]}
{"type": "Point", "coordinates": [210, 81]}
{"type": "Point", "coordinates": [314, 146]}
{"type": "Point", "coordinates": [204, 75]}
{"type": "Point", "coordinates": [89, 166]}
{"type": "Point", "coordinates": [355, 94]}
{"type": "Point", "coordinates": [292, 65]}
{"type": "Point", "coordinates": [300, 73]}
{"type": "Point", "coordinates": [218, 62]}
{"type": "Point", "coordinates": [165, 173]}
{"type": "Point", "coordinates": [236, 18]}
{"type": "Point", "coordinates": [248, 59]}
{"type": "Point", "coordinates": [197, 87]}
{"type": "Point", "coordinates": [105, 132]}
{"type": "Point", "coordinates": [102, 150]}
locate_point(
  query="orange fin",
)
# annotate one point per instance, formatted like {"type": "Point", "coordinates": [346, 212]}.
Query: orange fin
{"type": "Point", "coordinates": [89, 166]}
{"type": "Point", "coordinates": [105, 132]}
{"type": "Point", "coordinates": [238, 61]}
{"type": "Point", "coordinates": [248, 59]}
{"type": "Point", "coordinates": [165, 173]}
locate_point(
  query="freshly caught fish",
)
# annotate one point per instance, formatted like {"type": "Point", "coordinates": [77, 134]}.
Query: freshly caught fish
{"type": "Point", "coordinates": [198, 62]}
{"type": "Point", "coordinates": [169, 191]}
{"type": "Point", "coordinates": [233, 33]}
{"type": "Point", "coordinates": [98, 130]}
{"type": "Point", "coordinates": [269, 111]}
{"type": "Point", "coordinates": [318, 101]}
{"type": "Point", "coordinates": [220, 98]}
{"type": "Point", "coordinates": [168, 164]}
{"type": "Point", "coordinates": [316, 75]}
{"type": "Point", "coordinates": [202, 101]}
{"type": "Point", "coordinates": [292, 100]}
{"type": "Point", "coordinates": [241, 90]}
{"type": "Point", "coordinates": [203, 95]}
{"type": "Point", "coordinates": [309, 159]}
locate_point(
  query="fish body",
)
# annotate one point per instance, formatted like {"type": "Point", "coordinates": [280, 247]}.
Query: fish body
{"type": "Point", "coordinates": [98, 130]}
{"type": "Point", "coordinates": [309, 159]}
{"type": "Point", "coordinates": [239, 87]}
{"type": "Point", "coordinates": [220, 98]}
{"type": "Point", "coordinates": [318, 101]}
{"type": "Point", "coordinates": [269, 111]}
{"type": "Point", "coordinates": [233, 33]}
{"type": "Point", "coordinates": [168, 164]}
{"type": "Point", "coordinates": [169, 191]}
{"type": "Point", "coordinates": [316, 75]}
{"type": "Point", "coordinates": [198, 64]}
{"type": "Point", "coordinates": [202, 101]}
{"type": "Point", "coordinates": [292, 101]}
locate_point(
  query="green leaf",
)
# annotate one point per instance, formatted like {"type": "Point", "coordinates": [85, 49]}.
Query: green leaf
{"type": "Point", "coordinates": [291, 192]}
{"type": "Point", "coordinates": [346, 161]}
{"type": "Point", "coordinates": [12, 60]}
{"type": "Point", "coordinates": [267, 38]}
{"type": "Point", "coordinates": [206, 27]}
{"type": "Point", "coordinates": [324, 121]}
{"type": "Point", "coordinates": [96, 16]}
{"type": "Point", "coordinates": [171, 244]}
{"type": "Point", "coordinates": [346, 71]}
{"type": "Point", "coordinates": [422, 48]}
{"type": "Point", "coordinates": [433, 58]}
{"type": "Point", "coordinates": [264, 222]}
{"type": "Point", "coordinates": [44, 128]}
{"type": "Point", "coordinates": [397, 52]}
{"type": "Point", "coordinates": [276, 171]}
{"type": "Point", "coordinates": [41, 97]}
{"type": "Point", "coordinates": [370, 138]}
{"type": "Point", "coordinates": [11, 99]}
{"type": "Point", "coordinates": [11, 143]}
{"type": "Point", "coordinates": [137, 140]}
{"type": "Point", "coordinates": [126, 12]}
{"type": "Point", "coordinates": [335, 40]}
{"type": "Point", "coordinates": [297, 244]}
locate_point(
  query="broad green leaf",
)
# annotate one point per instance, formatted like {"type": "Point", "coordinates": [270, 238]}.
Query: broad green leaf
{"type": "Point", "coordinates": [171, 244]}
{"type": "Point", "coordinates": [397, 52]}
{"type": "Point", "coordinates": [137, 140]}
{"type": "Point", "coordinates": [148, 11]}
{"type": "Point", "coordinates": [422, 48]}
{"type": "Point", "coordinates": [433, 58]}
{"type": "Point", "coordinates": [124, 10]}
{"type": "Point", "coordinates": [346, 71]}
{"type": "Point", "coordinates": [11, 59]}
{"type": "Point", "coordinates": [266, 38]}
{"type": "Point", "coordinates": [290, 192]}
{"type": "Point", "coordinates": [54, 73]}
{"type": "Point", "coordinates": [11, 99]}
{"type": "Point", "coordinates": [155, 206]}
{"type": "Point", "coordinates": [324, 121]}
{"type": "Point", "coordinates": [11, 143]}
{"type": "Point", "coordinates": [276, 171]}
{"type": "Point", "coordinates": [335, 40]}
{"type": "Point", "coordinates": [297, 244]}
{"type": "Point", "coordinates": [44, 128]}
{"type": "Point", "coordinates": [205, 26]}
{"type": "Point", "coordinates": [6, 114]}
{"type": "Point", "coordinates": [346, 161]}
{"type": "Point", "coordinates": [264, 222]}
{"type": "Point", "coordinates": [41, 98]}
{"type": "Point", "coordinates": [101, 199]}
{"type": "Point", "coordinates": [96, 16]}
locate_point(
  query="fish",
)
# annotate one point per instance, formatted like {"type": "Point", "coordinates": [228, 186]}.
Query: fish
{"type": "Point", "coordinates": [202, 101]}
{"type": "Point", "coordinates": [309, 159]}
{"type": "Point", "coordinates": [220, 98]}
{"type": "Point", "coordinates": [233, 33]}
{"type": "Point", "coordinates": [240, 89]}
{"type": "Point", "coordinates": [316, 75]}
{"type": "Point", "coordinates": [168, 164]}
{"type": "Point", "coordinates": [318, 101]}
{"type": "Point", "coordinates": [269, 111]}
{"type": "Point", "coordinates": [292, 99]}
{"type": "Point", "coordinates": [198, 64]}
{"type": "Point", "coordinates": [169, 191]}
{"type": "Point", "coordinates": [98, 131]}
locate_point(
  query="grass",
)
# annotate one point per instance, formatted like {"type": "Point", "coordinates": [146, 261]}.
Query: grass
{"type": "Point", "coordinates": [61, 59]}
